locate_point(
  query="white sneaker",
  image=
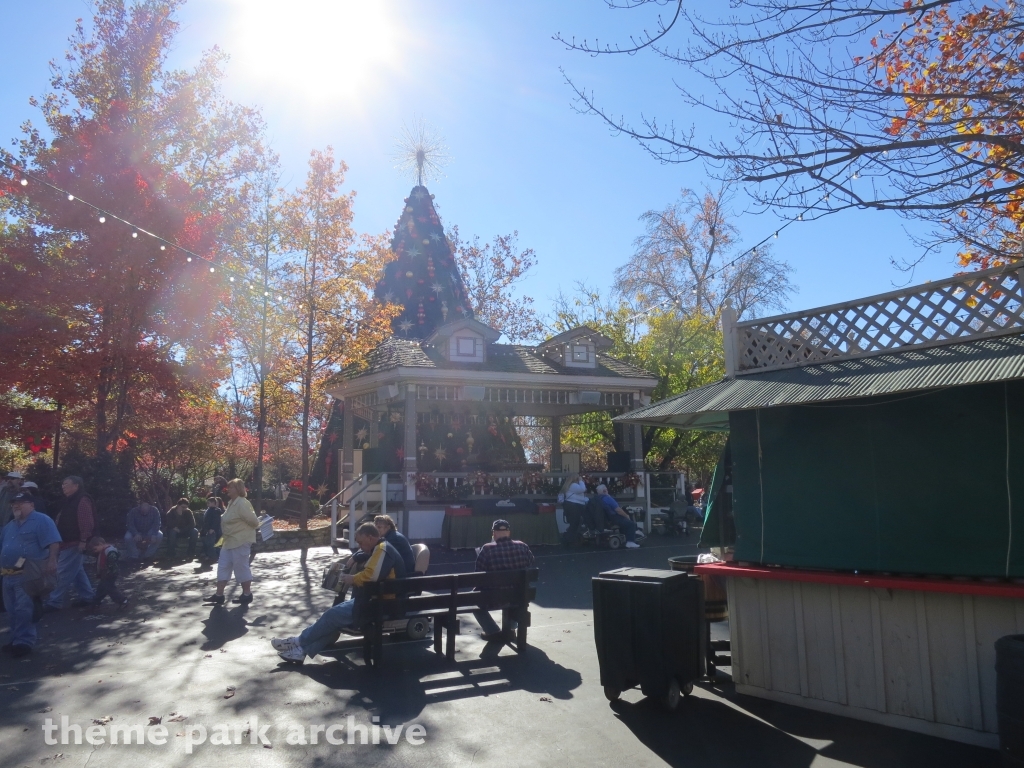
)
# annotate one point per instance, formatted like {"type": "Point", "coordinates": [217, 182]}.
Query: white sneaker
{"type": "Point", "coordinates": [632, 545]}
{"type": "Point", "coordinates": [285, 643]}
{"type": "Point", "coordinates": [295, 654]}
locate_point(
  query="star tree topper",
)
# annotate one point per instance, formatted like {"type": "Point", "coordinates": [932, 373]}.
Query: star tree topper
{"type": "Point", "coordinates": [421, 152]}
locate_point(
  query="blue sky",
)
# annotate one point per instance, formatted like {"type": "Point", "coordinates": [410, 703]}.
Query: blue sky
{"type": "Point", "coordinates": [487, 76]}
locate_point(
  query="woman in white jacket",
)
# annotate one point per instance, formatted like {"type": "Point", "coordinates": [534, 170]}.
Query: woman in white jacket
{"type": "Point", "coordinates": [238, 527]}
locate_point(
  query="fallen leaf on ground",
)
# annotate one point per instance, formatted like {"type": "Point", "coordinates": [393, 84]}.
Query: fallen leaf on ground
{"type": "Point", "coordinates": [268, 746]}
{"type": "Point", "coordinates": [567, 631]}
{"type": "Point", "coordinates": [177, 719]}
{"type": "Point", "coordinates": [45, 709]}
{"type": "Point", "coordinates": [180, 733]}
{"type": "Point", "coordinates": [155, 720]}
{"type": "Point", "coordinates": [229, 694]}
{"type": "Point", "coordinates": [208, 656]}
{"type": "Point", "coordinates": [103, 720]}
{"type": "Point", "coordinates": [545, 698]}
{"type": "Point", "coordinates": [223, 650]}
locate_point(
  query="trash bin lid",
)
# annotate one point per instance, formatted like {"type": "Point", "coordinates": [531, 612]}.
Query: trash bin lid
{"type": "Point", "coordinates": [644, 574]}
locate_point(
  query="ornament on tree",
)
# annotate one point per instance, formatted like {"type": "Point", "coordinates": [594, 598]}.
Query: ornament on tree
{"type": "Point", "coordinates": [430, 267]}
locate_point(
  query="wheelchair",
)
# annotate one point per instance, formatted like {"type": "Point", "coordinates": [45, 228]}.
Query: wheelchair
{"type": "Point", "coordinates": [603, 533]}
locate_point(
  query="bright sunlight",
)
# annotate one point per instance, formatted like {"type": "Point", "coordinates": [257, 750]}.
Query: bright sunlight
{"type": "Point", "coordinates": [328, 50]}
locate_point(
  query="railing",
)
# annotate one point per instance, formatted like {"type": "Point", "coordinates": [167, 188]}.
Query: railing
{"type": "Point", "coordinates": [366, 490]}
{"type": "Point", "coordinates": [972, 306]}
{"type": "Point", "coordinates": [467, 486]}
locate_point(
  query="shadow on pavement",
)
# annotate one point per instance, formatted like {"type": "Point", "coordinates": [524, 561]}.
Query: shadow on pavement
{"type": "Point", "coordinates": [744, 731]}
{"type": "Point", "coordinates": [413, 676]}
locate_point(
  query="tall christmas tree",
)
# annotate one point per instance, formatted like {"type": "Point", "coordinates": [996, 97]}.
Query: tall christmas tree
{"type": "Point", "coordinates": [423, 279]}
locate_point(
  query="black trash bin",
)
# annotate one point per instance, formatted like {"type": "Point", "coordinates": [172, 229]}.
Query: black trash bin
{"type": "Point", "coordinates": [1010, 699]}
{"type": "Point", "coordinates": [649, 631]}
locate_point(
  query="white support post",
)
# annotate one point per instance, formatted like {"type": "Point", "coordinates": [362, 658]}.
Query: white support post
{"type": "Point", "coordinates": [729, 340]}
{"type": "Point", "coordinates": [334, 520]}
{"type": "Point", "coordinates": [352, 524]}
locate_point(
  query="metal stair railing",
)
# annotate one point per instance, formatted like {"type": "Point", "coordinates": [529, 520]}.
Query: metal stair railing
{"type": "Point", "coordinates": [358, 491]}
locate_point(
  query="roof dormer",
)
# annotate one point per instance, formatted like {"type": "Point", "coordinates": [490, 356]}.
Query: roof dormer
{"type": "Point", "coordinates": [576, 348]}
{"type": "Point", "coordinates": [464, 341]}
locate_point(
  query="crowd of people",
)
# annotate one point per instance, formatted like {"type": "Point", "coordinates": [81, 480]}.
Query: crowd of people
{"type": "Point", "coordinates": [42, 558]}
{"type": "Point", "coordinates": [42, 552]}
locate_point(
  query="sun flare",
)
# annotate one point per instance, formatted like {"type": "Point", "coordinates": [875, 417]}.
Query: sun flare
{"type": "Point", "coordinates": [326, 50]}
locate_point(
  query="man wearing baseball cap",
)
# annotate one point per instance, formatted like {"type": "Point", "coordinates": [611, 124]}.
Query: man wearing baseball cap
{"type": "Point", "coordinates": [29, 536]}
{"type": "Point", "coordinates": [502, 554]}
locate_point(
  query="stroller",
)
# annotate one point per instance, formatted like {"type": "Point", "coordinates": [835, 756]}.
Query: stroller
{"type": "Point", "coordinates": [414, 629]}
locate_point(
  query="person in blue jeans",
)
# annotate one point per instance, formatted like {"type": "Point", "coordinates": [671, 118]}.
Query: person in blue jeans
{"type": "Point", "coordinates": [383, 563]}
{"type": "Point", "coordinates": [616, 515]}
{"type": "Point", "coordinates": [211, 528]}
{"type": "Point", "coordinates": [143, 535]}
{"type": "Point", "coordinates": [30, 535]}
{"type": "Point", "coordinates": [75, 522]}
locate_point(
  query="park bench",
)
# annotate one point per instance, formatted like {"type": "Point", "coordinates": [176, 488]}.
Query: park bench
{"type": "Point", "coordinates": [441, 599]}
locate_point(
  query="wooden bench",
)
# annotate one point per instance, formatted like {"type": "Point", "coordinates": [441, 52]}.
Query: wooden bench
{"type": "Point", "coordinates": [442, 599]}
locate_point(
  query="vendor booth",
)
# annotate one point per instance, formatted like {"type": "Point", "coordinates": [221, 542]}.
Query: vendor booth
{"type": "Point", "coordinates": [863, 580]}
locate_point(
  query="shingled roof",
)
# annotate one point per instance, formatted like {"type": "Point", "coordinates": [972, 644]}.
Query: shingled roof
{"type": "Point", "coordinates": [501, 358]}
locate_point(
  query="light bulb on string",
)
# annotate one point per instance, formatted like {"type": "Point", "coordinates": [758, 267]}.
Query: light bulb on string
{"type": "Point", "coordinates": [211, 269]}
{"type": "Point", "coordinates": [231, 279]}
{"type": "Point", "coordinates": [135, 234]}
{"type": "Point", "coordinates": [163, 247]}
{"type": "Point", "coordinates": [24, 182]}
{"type": "Point", "coordinates": [279, 298]}
{"type": "Point", "coordinates": [856, 175]}
{"type": "Point", "coordinates": [71, 198]}
{"type": "Point", "coordinates": [188, 259]}
{"type": "Point", "coordinates": [799, 217]}
{"type": "Point", "coordinates": [103, 219]}
{"type": "Point", "coordinates": [776, 235]}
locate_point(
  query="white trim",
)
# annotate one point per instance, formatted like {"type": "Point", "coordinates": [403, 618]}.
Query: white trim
{"type": "Point", "coordinates": [403, 375]}
{"type": "Point", "coordinates": [941, 730]}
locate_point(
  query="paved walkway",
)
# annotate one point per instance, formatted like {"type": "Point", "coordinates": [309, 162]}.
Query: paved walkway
{"type": "Point", "coordinates": [170, 657]}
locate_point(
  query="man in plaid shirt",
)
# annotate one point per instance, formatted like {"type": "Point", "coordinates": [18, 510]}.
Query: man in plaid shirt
{"type": "Point", "coordinates": [502, 554]}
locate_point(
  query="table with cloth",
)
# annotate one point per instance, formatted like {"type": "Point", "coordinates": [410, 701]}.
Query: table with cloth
{"type": "Point", "coordinates": [470, 531]}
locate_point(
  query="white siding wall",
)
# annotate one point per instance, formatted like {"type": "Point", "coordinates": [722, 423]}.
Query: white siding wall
{"type": "Point", "coordinates": [924, 661]}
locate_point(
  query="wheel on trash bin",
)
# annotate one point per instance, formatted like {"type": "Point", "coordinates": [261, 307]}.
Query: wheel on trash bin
{"type": "Point", "coordinates": [688, 688]}
{"type": "Point", "coordinates": [671, 698]}
{"type": "Point", "coordinates": [612, 694]}
{"type": "Point", "coordinates": [614, 542]}
{"type": "Point", "coordinates": [417, 629]}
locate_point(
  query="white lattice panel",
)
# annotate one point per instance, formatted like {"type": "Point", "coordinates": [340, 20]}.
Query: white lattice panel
{"type": "Point", "coordinates": [963, 308]}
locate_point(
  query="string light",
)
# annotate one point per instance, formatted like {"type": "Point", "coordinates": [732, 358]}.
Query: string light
{"type": "Point", "coordinates": [188, 259]}
{"type": "Point", "coordinates": [231, 279]}
{"type": "Point", "coordinates": [211, 269]}
{"type": "Point", "coordinates": [71, 198]}
{"type": "Point", "coordinates": [103, 219]}
{"type": "Point", "coordinates": [24, 182]}
{"type": "Point", "coordinates": [856, 175]}
{"type": "Point", "coordinates": [135, 234]}
{"type": "Point", "coordinates": [163, 247]}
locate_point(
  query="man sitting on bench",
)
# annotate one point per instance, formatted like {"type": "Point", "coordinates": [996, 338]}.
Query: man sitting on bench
{"type": "Point", "coordinates": [502, 554]}
{"type": "Point", "coordinates": [384, 562]}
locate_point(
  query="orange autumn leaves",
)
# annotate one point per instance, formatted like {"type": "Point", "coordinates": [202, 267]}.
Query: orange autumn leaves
{"type": "Point", "coordinates": [960, 79]}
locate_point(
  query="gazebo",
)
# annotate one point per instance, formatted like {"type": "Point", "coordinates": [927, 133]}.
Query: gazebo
{"type": "Point", "coordinates": [435, 408]}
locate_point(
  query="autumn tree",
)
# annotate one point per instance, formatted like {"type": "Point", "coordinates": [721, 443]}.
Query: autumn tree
{"type": "Point", "coordinates": [105, 314]}
{"type": "Point", "coordinates": [330, 286]}
{"type": "Point", "coordinates": [491, 272]}
{"type": "Point", "coordinates": [664, 316]}
{"type": "Point", "coordinates": [913, 107]}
